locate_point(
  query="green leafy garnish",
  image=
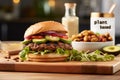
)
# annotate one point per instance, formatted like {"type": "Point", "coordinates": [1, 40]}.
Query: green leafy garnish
{"type": "Point", "coordinates": [26, 50]}
{"type": "Point", "coordinates": [60, 51]}
{"type": "Point", "coordinates": [74, 55]}
{"type": "Point", "coordinates": [93, 56]}
{"type": "Point", "coordinates": [45, 52]}
{"type": "Point", "coordinates": [23, 53]}
{"type": "Point", "coordinates": [100, 56]}
{"type": "Point", "coordinates": [63, 51]}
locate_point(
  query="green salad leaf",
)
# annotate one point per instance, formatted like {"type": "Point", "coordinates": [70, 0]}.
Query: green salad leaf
{"type": "Point", "coordinates": [45, 52]}
{"type": "Point", "coordinates": [93, 56]}
{"type": "Point", "coordinates": [23, 53]}
{"type": "Point", "coordinates": [60, 51]}
{"type": "Point", "coordinates": [63, 51]}
{"type": "Point", "coordinates": [74, 55]}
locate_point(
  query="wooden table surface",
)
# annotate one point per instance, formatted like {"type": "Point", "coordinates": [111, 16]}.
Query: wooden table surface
{"type": "Point", "coordinates": [55, 76]}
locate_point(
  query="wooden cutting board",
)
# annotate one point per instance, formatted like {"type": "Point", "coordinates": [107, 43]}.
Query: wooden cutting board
{"type": "Point", "coordinates": [62, 67]}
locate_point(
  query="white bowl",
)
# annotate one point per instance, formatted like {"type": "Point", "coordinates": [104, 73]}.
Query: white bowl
{"type": "Point", "coordinates": [90, 46]}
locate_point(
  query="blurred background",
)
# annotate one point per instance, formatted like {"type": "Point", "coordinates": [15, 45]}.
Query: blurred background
{"type": "Point", "coordinates": [17, 15]}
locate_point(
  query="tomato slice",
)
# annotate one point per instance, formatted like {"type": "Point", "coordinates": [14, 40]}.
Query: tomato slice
{"type": "Point", "coordinates": [61, 36]}
{"type": "Point", "coordinates": [28, 38]}
{"type": "Point", "coordinates": [64, 37]}
{"type": "Point", "coordinates": [37, 37]}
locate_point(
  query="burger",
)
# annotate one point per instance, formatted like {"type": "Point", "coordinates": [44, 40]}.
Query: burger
{"type": "Point", "coordinates": [46, 41]}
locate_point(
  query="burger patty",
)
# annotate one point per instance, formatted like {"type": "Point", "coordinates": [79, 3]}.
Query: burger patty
{"type": "Point", "coordinates": [49, 46]}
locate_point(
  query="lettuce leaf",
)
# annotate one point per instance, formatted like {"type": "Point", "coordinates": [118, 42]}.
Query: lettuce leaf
{"type": "Point", "coordinates": [24, 53]}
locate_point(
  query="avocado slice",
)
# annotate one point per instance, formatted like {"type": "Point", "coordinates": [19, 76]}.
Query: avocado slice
{"type": "Point", "coordinates": [68, 41]}
{"type": "Point", "coordinates": [52, 38]}
{"type": "Point", "coordinates": [26, 42]}
{"type": "Point", "coordinates": [115, 50]}
{"type": "Point", "coordinates": [39, 41]}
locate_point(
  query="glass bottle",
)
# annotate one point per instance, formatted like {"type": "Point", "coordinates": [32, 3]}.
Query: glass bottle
{"type": "Point", "coordinates": [70, 20]}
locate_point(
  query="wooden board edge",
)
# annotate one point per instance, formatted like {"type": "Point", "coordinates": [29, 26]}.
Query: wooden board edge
{"type": "Point", "coordinates": [7, 66]}
{"type": "Point", "coordinates": [52, 68]}
{"type": "Point", "coordinates": [64, 69]}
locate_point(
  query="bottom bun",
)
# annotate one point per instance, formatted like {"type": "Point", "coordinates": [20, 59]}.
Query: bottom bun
{"type": "Point", "coordinates": [47, 60]}
{"type": "Point", "coordinates": [51, 57]}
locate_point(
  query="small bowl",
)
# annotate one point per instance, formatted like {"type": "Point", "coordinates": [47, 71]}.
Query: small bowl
{"type": "Point", "coordinates": [90, 46]}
